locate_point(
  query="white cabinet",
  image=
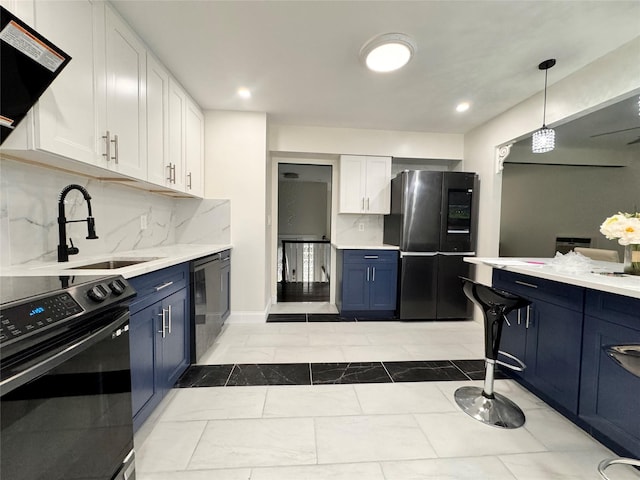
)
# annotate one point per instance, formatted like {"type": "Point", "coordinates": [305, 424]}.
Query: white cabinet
{"type": "Point", "coordinates": [194, 149]}
{"type": "Point", "coordinates": [177, 108]}
{"type": "Point", "coordinates": [157, 123]}
{"type": "Point", "coordinates": [125, 135]}
{"type": "Point", "coordinates": [364, 184]}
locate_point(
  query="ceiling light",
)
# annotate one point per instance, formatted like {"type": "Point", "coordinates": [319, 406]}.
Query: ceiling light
{"type": "Point", "coordinates": [388, 52]}
{"type": "Point", "coordinates": [463, 107]}
{"type": "Point", "coordinates": [544, 140]}
{"type": "Point", "coordinates": [244, 92]}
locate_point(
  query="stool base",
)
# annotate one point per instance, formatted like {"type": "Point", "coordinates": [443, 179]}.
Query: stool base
{"type": "Point", "coordinates": [497, 412]}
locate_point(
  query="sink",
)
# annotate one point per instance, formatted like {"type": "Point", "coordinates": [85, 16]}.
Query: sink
{"type": "Point", "coordinates": [113, 264]}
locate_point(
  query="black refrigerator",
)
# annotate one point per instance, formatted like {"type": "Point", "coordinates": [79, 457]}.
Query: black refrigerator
{"type": "Point", "coordinates": [433, 220]}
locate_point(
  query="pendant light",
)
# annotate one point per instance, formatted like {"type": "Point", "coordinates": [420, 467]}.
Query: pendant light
{"type": "Point", "coordinates": [544, 140]}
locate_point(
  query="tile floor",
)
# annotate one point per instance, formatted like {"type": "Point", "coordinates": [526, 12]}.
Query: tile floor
{"type": "Point", "coordinates": [364, 431]}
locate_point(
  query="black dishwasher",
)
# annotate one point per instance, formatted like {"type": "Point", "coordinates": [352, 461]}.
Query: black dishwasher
{"type": "Point", "coordinates": [210, 278]}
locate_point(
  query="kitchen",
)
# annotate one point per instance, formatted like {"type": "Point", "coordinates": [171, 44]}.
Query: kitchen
{"type": "Point", "coordinates": [234, 139]}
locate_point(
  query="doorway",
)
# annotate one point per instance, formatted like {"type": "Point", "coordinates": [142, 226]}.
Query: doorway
{"type": "Point", "coordinates": [304, 226]}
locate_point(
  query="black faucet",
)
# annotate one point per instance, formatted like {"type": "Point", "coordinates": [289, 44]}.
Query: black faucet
{"type": "Point", "coordinates": [63, 250]}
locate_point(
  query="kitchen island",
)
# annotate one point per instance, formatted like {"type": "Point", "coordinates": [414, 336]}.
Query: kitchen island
{"type": "Point", "coordinates": [563, 335]}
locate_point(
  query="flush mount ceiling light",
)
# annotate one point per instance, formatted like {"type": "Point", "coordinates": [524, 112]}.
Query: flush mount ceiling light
{"type": "Point", "coordinates": [244, 92]}
{"type": "Point", "coordinates": [544, 140]}
{"type": "Point", "coordinates": [462, 107]}
{"type": "Point", "coordinates": [388, 52]}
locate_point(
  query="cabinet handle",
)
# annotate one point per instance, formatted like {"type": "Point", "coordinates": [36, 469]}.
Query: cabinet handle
{"type": "Point", "coordinates": [189, 183]}
{"type": "Point", "coordinates": [164, 285]}
{"type": "Point", "coordinates": [173, 173]}
{"type": "Point", "coordinates": [525, 284]}
{"type": "Point", "coordinates": [371, 256]}
{"type": "Point", "coordinates": [163, 332]}
{"type": "Point", "coordinates": [107, 142]}
{"type": "Point", "coordinates": [519, 316]}
{"type": "Point", "coordinates": [363, 204]}
{"type": "Point", "coordinates": [367, 274]}
{"type": "Point", "coordinates": [374, 275]}
{"type": "Point", "coordinates": [526, 325]}
{"type": "Point", "coordinates": [115, 148]}
{"type": "Point", "coordinates": [169, 172]}
{"type": "Point", "coordinates": [367, 203]}
{"type": "Point", "coordinates": [169, 308]}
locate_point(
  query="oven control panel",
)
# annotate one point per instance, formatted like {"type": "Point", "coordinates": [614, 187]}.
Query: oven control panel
{"type": "Point", "coordinates": [31, 316]}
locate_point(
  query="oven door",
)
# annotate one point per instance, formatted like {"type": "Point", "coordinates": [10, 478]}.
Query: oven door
{"type": "Point", "coordinates": [66, 412]}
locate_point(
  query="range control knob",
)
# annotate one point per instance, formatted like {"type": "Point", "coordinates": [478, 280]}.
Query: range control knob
{"type": "Point", "coordinates": [98, 293]}
{"type": "Point", "coordinates": [117, 287]}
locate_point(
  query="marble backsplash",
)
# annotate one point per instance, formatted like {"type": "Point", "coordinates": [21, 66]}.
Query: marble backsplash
{"type": "Point", "coordinates": [353, 229]}
{"type": "Point", "coordinates": [29, 210]}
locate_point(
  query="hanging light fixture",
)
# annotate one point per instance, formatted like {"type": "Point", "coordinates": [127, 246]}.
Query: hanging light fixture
{"type": "Point", "coordinates": [544, 140]}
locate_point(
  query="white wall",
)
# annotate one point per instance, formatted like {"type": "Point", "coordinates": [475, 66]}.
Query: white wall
{"type": "Point", "coordinates": [236, 168]}
{"type": "Point", "coordinates": [601, 83]}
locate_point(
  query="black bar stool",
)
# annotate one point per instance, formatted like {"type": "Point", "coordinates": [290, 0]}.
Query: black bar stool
{"type": "Point", "coordinates": [484, 404]}
{"type": "Point", "coordinates": [628, 357]}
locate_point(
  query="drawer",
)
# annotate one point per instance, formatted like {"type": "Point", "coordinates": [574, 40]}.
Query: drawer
{"type": "Point", "coordinates": [613, 308]}
{"type": "Point", "coordinates": [155, 286]}
{"type": "Point", "coordinates": [561, 294]}
{"type": "Point", "coordinates": [370, 256]}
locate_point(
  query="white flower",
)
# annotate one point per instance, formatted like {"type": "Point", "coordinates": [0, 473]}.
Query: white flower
{"type": "Point", "coordinates": [623, 226]}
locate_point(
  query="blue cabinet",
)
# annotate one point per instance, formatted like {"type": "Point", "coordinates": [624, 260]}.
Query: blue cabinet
{"type": "Point", "coordinates": [609, 395]}
{"type": "Point", "coordinates": [367, 281]}
{"type": "Point", "coordinates": [547, 336]}
{"type": "Point", "coordinates": [159, 337]}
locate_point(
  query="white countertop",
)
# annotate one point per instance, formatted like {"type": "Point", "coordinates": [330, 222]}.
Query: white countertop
{"type": "Point", "coordinates": [166, 256]}
{"type": "Point", "coordinates": [628, 285]}
{"type": "Point", "coordinates": [365, 247]}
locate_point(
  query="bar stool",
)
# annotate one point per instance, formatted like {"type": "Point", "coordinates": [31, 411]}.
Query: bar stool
{"type": "Point", "coordinates": [628, 357]}
{"type": "Point", "coordinates": [484, 404]}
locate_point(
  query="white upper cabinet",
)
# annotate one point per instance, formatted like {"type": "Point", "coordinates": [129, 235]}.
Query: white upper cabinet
{"type": "Point", "coordinates": [194, 145]}
{"type": "Point", "coordinates": [126, 100]}
{"type": "Point", "coordinates": [177, 109]}
{"type": "Point", "coordinates": [67, 117]}
{"type": "Point", "coordinates": [157, 122]}
{"type": "Point", "coordinates": [365, 184]}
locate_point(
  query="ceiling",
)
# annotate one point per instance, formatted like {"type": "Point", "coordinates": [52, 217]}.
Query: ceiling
{"type": "Point", "coordinates": [300, 58]}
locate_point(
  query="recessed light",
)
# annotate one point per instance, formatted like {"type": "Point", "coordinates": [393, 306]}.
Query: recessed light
{"type": "Point", "coordinates": [388, 52]}
{"type": "Point", "coordinates": [244, 92]}
{"type": "Point", "coordinates": [463, 107]}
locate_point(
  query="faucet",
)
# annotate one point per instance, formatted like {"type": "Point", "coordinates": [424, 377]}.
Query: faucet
{"type": "Point", "coordinates": [63, 250]}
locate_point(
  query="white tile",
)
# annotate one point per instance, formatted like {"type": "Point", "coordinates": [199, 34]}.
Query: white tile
{"type": "Point", "coordinates": [314, 354]}
{"type": "Point", "coordinates": [370, 438]}
{"type": "Point", "coordinates": [565, 466]}
{"type": "Point", "coordinates": [303, 307]}
{"type": "Point", "coordinates": [458, 435]}
{"type": "Point", "coordinates": [233, 474]}
{"type": "Point", "coordinates": [375, 353]}
{"type": "Point", "coordinates": [556, 432]}
{"type": "Point", "coordinates": [337, 338]}
{"type": "Point", "coordinates": [357, 471]}
{"type": "Point", "coordinates": [448, 351]}
{"type": "Point", "coordinates": [509, 388]}
{"type": "Point", "coordinates": [169, 446]}
{"type": "Point", "coordinates": [240, 354]}
{"type": "Point", "coordinates": [255, 443]}
{"type": "Point", "coordinates": [311, 401]}
{"type": "Point", "coordinates": [212, 403]}
{"type": "Point", "coordinates": [277, 340]}
{"type": "Point", "coordinates": [392, 398]}
{"type": "Point", "coordinates": [469, 468]}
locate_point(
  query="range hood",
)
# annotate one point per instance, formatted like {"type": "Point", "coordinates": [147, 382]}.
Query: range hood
{"type": "Point", "coordinates": [28, 65]}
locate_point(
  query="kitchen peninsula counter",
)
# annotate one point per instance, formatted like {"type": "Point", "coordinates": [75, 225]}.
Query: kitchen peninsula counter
{"type": "Point", "coordinates": [627, 285]}
{"type": "Point", "coordinates": [161, 257]}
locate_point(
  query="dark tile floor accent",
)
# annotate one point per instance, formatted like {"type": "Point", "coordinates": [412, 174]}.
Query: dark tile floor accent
{"type": "Point", "coordinates": [354, 372]}
{"type": "Point", "coordinates": [287, 317]}
{"type": "Point", "coordinates": [327, 317]}
{"type": "Point", "coordinates": [332, 373]}
{"type": "Point", "coordinates": [428, 371]}
{"type": "Point", "coordinates": [205, 376]}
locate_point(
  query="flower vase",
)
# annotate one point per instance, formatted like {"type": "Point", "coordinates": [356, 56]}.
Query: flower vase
{"type": "Point", "coordinates": [632, 259]}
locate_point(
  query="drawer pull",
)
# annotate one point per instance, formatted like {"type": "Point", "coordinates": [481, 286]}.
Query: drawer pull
{"type": "Point", "coordinates": [525, 284]}
{"type": "Point", "coordinates": [164, 285]}
{"type": "Point", "coordinates": [371, 256]}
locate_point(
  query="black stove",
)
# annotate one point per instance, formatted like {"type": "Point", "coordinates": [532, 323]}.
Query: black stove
{"type": "Point", "coordinates": [33, 309]}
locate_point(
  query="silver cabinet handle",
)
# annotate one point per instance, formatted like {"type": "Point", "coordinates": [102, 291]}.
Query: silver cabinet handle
{"type": "Point", "coordinates": [163, 331]}
{"type": "Point", "coordinates": [526, 325]}
{"type": "Point", "coordinates": [115, 148]}
{"type": "Point", "coordinates": [367, 274]}
{"type": "Point", "coordinates": [173, 173]}
{"type": "Point", "coordinates": [371, 256]}
{"type": "Point", "coordinates": [189, 183]}
{"type": "Point", "coordinates": [363, 204]}
{"type": "Point", "coordinates": [169, 309]}
{"type": "Point", "coordinates": [169, 172]}
{"type": "Point", "coordinates": [374, 275]}
{"type": "Point", "coordinates": [107, 148]}
{"type": "Point", "coordinates": [164, 285]}
{"type": "Point", "coordinates": [368, 203]}
{"type": "Point", "coordinates": [525, 284]}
